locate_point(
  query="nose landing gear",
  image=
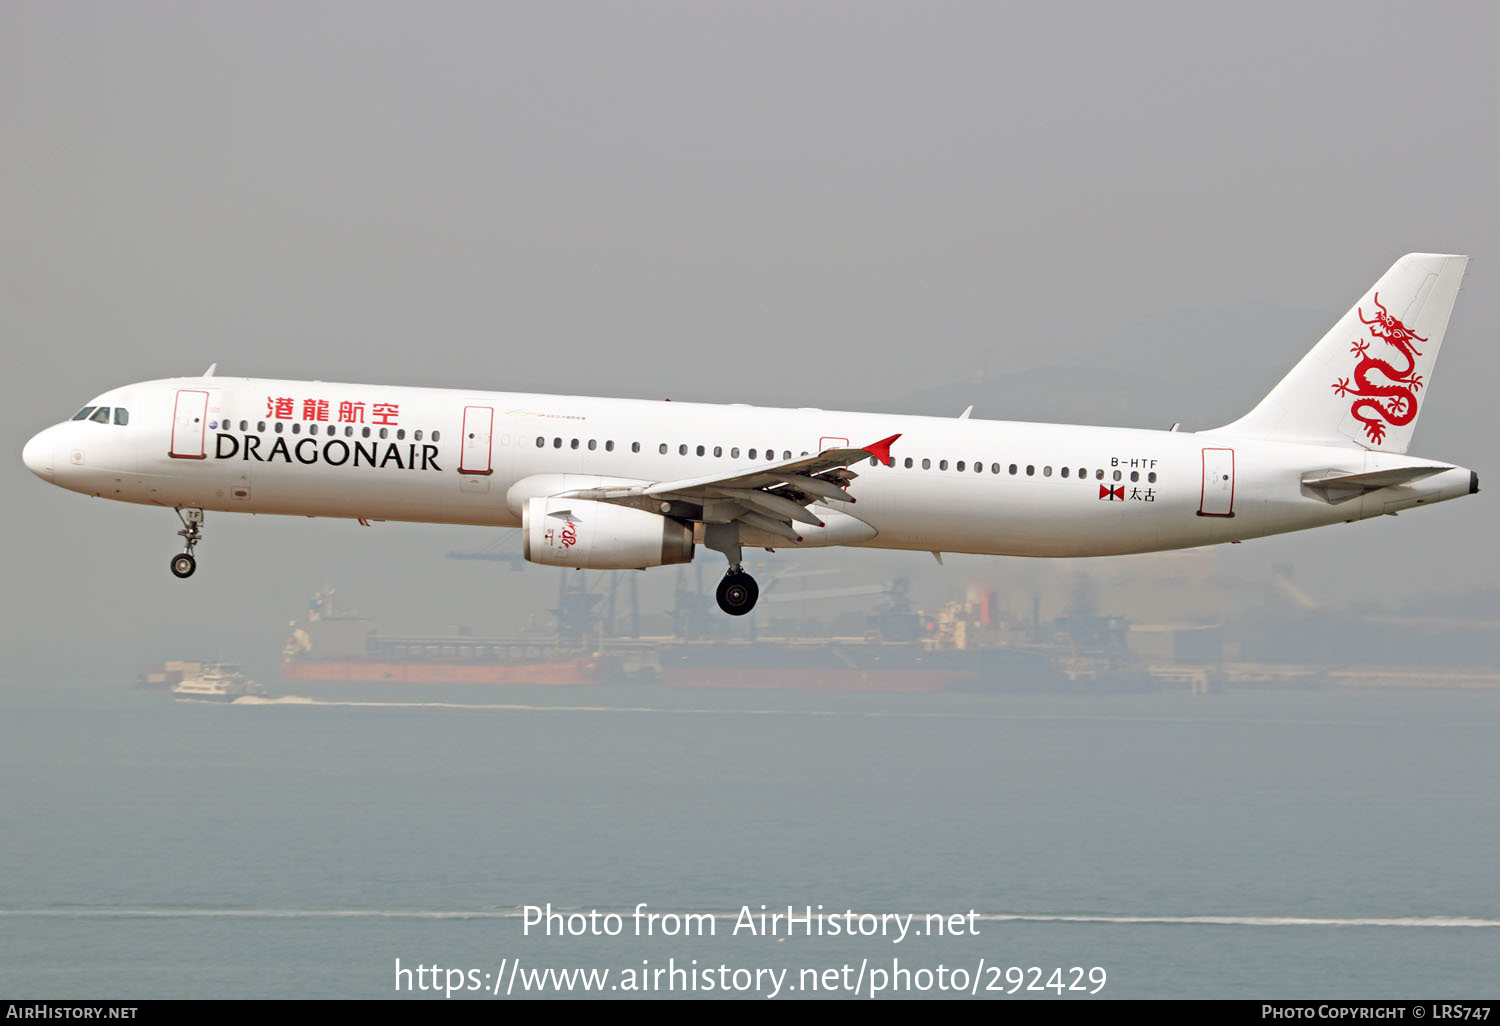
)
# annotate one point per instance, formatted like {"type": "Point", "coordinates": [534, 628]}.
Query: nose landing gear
{"type": "Point", "coordinates": [184, 564]}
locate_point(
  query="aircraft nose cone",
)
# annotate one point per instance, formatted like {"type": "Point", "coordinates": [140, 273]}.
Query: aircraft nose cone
{"type": "Point", "coordinates": [37, 455]}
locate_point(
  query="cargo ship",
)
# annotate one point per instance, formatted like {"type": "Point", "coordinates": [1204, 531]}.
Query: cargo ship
{"type": "Point", "coordinates": [902, 650]}
{"type": "Point", "coordinates": [853, 664]}
{"type": "Point", "coordinates": [167, 674]}
{"type": "Point", "coordinates": [328, 644]}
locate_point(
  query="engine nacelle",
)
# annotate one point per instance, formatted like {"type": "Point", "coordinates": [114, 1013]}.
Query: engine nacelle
{"type": "Point", "coordinates": [601, 536]}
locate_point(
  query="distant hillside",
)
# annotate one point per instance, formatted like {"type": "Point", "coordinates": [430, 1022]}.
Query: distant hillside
{"type": "Point", "coordinates": [1200, 368]}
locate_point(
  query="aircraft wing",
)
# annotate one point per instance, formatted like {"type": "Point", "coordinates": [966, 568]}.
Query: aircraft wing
{"type": "Point", "coordinates": [769, 496]}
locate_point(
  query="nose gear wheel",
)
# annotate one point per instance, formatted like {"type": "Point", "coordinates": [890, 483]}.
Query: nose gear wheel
{"type": "Point", "coordinates": [184, 563]}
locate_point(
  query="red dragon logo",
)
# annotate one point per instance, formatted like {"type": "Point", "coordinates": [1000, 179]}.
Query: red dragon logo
{"type": "Point", "coordinates": [1394, 403]}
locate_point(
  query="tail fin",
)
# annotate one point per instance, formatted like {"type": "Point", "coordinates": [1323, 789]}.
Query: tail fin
{"type": "Point", "coordinates": [1366, 381]}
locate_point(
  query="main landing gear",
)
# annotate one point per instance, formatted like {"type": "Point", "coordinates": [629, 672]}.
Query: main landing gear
{"type": "Point", "coordinates": [737, 592]}
{"type": "Point", "coordinates": [184, 564]}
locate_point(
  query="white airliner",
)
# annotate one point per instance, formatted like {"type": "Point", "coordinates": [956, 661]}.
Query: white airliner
{"type": "Point", "coordinates": [627, 484]}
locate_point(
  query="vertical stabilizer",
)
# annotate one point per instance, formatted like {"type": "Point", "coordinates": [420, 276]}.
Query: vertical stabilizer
{"type": "Point", "coordinates": [1366, 381]}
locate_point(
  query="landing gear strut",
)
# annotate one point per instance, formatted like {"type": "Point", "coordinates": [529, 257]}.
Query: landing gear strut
{"type": "Point", "coordinates": [184, 564]}
{"type": "Point", "coordinates": [737, 592]}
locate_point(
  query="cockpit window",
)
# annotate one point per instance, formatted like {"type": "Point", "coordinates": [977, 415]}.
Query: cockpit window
{"type": "Point", "coordinates": [122, 415]}
{"type": "Point", "coordinates": [83, 414]}
{"type": "Point", "coordinates": [101, 415]}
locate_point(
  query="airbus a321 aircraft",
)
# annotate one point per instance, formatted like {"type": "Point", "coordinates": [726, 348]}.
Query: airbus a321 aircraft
{"type": "Point", "coordinates": [628, 484]}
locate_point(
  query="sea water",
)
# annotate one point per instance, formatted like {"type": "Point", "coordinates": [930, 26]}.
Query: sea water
{"type": "Point", "coordinates": [1251, 844]}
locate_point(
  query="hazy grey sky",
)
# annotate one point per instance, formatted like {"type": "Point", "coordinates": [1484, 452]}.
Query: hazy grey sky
{"type": "Point", "coordinates": [808, 204]}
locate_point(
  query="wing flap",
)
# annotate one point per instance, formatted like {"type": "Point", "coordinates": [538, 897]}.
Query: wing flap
{"type": "Point", "coordinates": [770, 503]}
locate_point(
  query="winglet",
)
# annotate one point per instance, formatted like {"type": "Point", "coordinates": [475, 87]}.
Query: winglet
{"type": "Point", "coordinates": [881, 450]}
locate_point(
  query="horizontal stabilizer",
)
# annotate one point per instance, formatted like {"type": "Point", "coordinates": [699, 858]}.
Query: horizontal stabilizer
{"type": "Point", "coordinates": [1335, 486]}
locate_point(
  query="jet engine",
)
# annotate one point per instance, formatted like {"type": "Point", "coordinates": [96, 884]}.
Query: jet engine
{"type": "Point", "coordinates": [601, 536]}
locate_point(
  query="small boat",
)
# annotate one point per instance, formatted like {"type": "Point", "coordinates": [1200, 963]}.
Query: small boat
{"type": "Point", "coordinates": [216, 682]}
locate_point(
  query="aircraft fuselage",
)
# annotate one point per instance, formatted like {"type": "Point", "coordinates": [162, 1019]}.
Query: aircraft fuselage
{"type": "Point", "coordinates": [473, 457]}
